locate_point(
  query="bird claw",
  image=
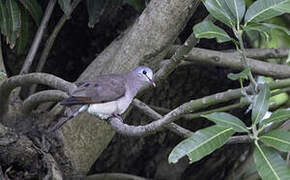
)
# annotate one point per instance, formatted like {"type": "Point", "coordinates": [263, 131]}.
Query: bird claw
{"type": "Point", "coordinates": [116, 115]}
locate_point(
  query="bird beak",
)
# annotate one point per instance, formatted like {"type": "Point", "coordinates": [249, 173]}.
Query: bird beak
{"type": "Point", "coordinates": [152, 82]}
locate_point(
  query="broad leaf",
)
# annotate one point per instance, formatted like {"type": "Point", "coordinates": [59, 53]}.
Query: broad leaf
{"type": "Point", "coordinates": [242, 75]}
{"type": "Point", "coordinates": [261, 104]}
{"type": "Point", "coordinates": [221, 11]}
{"type": "Point", "coordinates": [94, 9]}
{"type": "Point", "coordinates": [278, 116]}
{"type": "Point", "coordinates": [201, 143]}
{"type": "Point", "coordinates": [208, 30]}
{"type": "Point", "coordinates": [13, 15]}
{"type": "Point", "coordinates": [34, 9]}
{"type": "Point", "coordinates": [274, 26]}
{"type": "Point", "coordinates": [65, 5]}
{"type": "Point", "coordinates": [262, 30]}
{"type": "Point", "coordinates": [278, 138]}
{"type": "Point", "coordinates": [3, 19]}
{"type": "Point", "coordinates": [270, 165]}
{"type": "Point", "coordinates": [24, 32]}
{"type": "Point", "coordinates": [136, 4]}
{"type": "Point", "coordinates": [227, 120]}
{"type": "Point", "coordinates": [237, 8]}
{"type": "Point", "coordinates": [262, 10]}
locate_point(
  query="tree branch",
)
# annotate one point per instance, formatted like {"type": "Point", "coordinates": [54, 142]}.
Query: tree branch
{"type": "Point", "coordinates": [34, 78]}
{"type": "Point", "coordinates": [154, 115]}
{"type": "Point", "coordinates": [114, 176]}
{"type": "Point", "coordinates": [255, 53]}
{"type": "Point", "coordinates": [43, 96]}
{"type": "Point", "coordinates": [230, 60]}
{"type": "Point", "coordinates": [188, 107]}
{"type": "Point", "coordinates": [38, 37]}
{"type": "Point", "coordinates": [264, 54]}
{"type": "Point", "coordinates": [150, 37]}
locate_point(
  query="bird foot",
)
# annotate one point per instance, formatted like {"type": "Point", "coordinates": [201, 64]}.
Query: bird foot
{"type": "Point", "coordinates": [116, 115]}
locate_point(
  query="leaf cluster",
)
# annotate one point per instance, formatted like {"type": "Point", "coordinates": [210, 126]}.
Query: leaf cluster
{"type": "Point", "coordinates": [269, 163]}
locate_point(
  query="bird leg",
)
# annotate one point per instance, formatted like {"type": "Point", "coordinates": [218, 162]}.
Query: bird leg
{"type": "Point", "coordinates": [116, 115]}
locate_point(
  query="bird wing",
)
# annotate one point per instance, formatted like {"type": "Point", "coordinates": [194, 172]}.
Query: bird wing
{"type": "Point", "coordinates": [103, 89]}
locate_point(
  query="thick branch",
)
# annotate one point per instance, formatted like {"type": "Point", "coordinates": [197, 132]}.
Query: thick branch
{"type": "Point", "coordinates": [255, 53]}
{"type": "Point", "coordinates": [34, 78]}
{"type": "Point", "coordinates": [188, 107]}
{"type": "Point", "coordinates": [38, 37]}
{"type": "Point", "coordinates": [114, 176]}
{"type": "Point", "coordinates": [267, 53]}
{"type": "Point", "coordinates": [152, 34]}
{"type": "Point", "coordinates": [233, 61]}
{"type": "Point", "coordinates": [44, 96]}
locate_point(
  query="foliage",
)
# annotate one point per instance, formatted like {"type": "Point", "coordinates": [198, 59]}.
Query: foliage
{"type": "Point", "coordinates": [15, 16]}
{"type": "Point", "coordinates": [269, 163]}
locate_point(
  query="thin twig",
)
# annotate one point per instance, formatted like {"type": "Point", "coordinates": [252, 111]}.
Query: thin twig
{"type": "Point", "coordinates": [244, 59]}
{"type": "Point", "coordinates": [38, 37]}
{"type": "Point", "coordinates": [154, 115]}
{"type": "Point", "coordinates": [49, 43]}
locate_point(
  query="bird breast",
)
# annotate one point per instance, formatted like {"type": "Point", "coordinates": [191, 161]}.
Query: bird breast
{"type": "Point", "coordinates": [119, 106]}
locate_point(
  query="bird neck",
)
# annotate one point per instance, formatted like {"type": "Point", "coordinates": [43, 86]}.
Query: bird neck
{"type": "Point", "coordinates": [134, 83]}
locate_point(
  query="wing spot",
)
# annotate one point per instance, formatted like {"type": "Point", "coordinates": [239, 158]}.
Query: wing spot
{"type": "Point", "coordinates": [87, 85]}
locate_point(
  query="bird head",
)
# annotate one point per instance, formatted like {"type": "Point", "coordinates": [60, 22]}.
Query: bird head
{"type": "Point", "coordinates": [145, 73]}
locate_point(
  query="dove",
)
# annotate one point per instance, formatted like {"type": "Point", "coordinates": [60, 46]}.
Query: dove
{"type": "Point", "coordinates": [109, 95]}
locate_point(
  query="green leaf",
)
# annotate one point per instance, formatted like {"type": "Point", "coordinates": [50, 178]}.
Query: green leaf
{"type": "Point", "coordinates": [136, 4]}
{"type": "Point", "coordinates": [4, 19]}
{"type": "Point", "coordinates": [274, 26]}
{"type": "Point", "coordinates": [24, 32]}
{"type": "Point", "coordinates": [279, 139]}
{"type": "Point", "coordinates": [262, 30]}
{"type": "Point", "coordinates": [208, 30]}
{"type": "Point", "coordinates": [94, 9]}
{"type": "Point", "coordinates": [278, 116]}
{"type": "Point", "coordinates": [262, 10]}
{"type": "Point", "coordinates": [227, 120]}
{"type": "Point", "coordinates": [201, 143]}
{"type": "Point", "coordinates": [261, 104]}
{"type": "Point", "coordinates": [34, 9]}
{"type": "Point", "coordinates": [65, 5]}
{"type": "Point", "coordinates": [12, 39]}
{"type": "Point", "coordinates": [269, 164]}
{"type": "Point", "coordinates": [242, 75]}
{"type": "Point", "coordinates": [220, 10]}
{"type": "Point", "coordinates": [237, 8]}
{"type": "Point", "coordinates": [13, 14]}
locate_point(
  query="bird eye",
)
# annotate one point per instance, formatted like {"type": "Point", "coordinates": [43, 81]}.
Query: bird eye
{"type": "Point", "coordinates": [144, 72]}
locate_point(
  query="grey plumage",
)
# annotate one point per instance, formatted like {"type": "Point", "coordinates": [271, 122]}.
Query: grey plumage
{"type": "Point", "coordinates": [110, 94]}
